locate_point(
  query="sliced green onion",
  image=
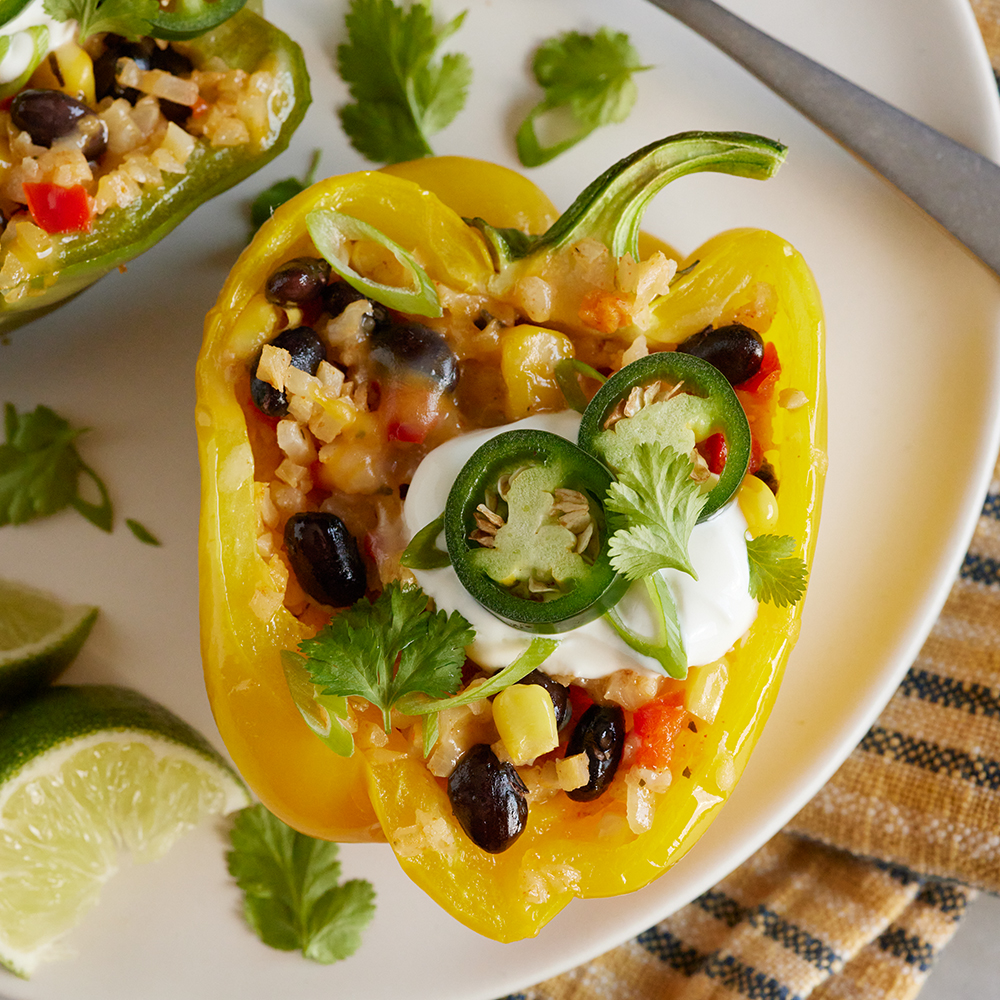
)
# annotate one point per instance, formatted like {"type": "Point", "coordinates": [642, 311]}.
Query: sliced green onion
{"type": "Point", "coordinates": [331, 231]}
{"type": "Point", "coordinates": [423, 551]}
{"type": "Point", "coordinates": [40, 39]}
{"type": "Point", "coordinates": [322, 712]}
{"type": "Point", "coordinates": [668, 647]}
{"type": "Point", "coordinates": [567, 374]}
{"type": "Point", "coordinates": [538, 651]}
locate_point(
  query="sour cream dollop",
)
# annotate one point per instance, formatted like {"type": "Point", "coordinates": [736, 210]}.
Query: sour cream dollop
{"type": "Point", "coordinates": [714, 610]}
{"type": "Point", "coordinates": [22, 46]}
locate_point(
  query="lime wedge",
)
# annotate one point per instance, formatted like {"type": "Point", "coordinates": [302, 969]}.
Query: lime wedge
{"type": "Point", "coordinates": [39, 638]}
{"type": "Point", "coordinates": [87, 773]}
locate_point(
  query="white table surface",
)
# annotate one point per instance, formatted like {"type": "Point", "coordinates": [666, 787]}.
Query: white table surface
{"type": "Point", "coordinates": [969, 966]}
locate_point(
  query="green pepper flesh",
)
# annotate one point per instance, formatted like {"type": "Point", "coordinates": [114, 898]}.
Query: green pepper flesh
{"type": "Point", "coordinates": [121, 234]}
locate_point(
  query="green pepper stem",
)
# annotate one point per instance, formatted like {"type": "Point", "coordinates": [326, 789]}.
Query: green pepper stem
{"type": "Point", "coordinates": [611, 208]}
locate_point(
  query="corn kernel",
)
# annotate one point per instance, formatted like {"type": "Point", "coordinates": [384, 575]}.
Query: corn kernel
{"type": "Point", "coordinates": [705, 690]}
{"type": "Point", "coordinates": [526, 721]}
{"type": "Point", "coordinates": [256, 322]}
{"type": "Point", "coordinates": [759, 505]}
{"type": "Point", "coordinates": [528, 357]}
{"type": "Point", "coordinates": [68, 69]}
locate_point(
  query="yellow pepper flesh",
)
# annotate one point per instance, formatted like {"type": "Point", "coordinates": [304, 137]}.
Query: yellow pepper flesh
{"type": "Point", "coordinates": [568, 849]}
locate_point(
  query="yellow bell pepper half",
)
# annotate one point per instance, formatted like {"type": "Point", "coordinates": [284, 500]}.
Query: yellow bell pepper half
{"type": "Point", "coordinates": [568, 849]}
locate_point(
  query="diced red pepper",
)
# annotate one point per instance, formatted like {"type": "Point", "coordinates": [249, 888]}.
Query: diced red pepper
{"type": "Point", "coordinates": [756, 457]}
{"type": "Point", "coordinates": [410, 410]}
{"type": "Point", "coordinates": [713, 450]}
{"type": "Point", "coordinates": [407, 433]}
{"type": "Point", "coordinates": [579, 700]}
{"type": "Point", "coordinates": [767, 376]}
{"type": "Point", "coordinates": [59, 209]}
{"type": "Point", "coordinates": [657, 724]}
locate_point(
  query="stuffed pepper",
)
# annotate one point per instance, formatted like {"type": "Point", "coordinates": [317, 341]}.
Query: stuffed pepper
{"type": "Point", "coordinates": [507, 519]}
{"type": "Point", "coordinates": [117, 124]}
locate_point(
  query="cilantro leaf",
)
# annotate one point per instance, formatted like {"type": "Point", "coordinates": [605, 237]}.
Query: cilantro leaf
{"type": "Point", "coordinates": [142, 532]}
{"type": "Point", "coordinates": [777, 575]}
{"type": "Point", "coordinates": [292, 896]}
{"type": "Point", "coordinates": [587, 80]}
{"type": "Point", "coordinates": [662, 502]}
{"type": "Point", "coordinates": [40, 469]}
{"type": "Point", "coordinates": [389, 648]}
{"type": "Point", "coordinates": [400, 96]}
{"type": "Point", "coordinates": [130, 18]}
{"type": "Point", "coordinates": [263, 206]}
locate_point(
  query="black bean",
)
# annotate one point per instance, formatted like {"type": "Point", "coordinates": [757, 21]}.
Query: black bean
{"type": "Point", "coordinates": [338, 295]}
{"type": "Point", "coordinates": [47, 115]}
{"type": "Point", "coordinates": [106, 65]}
{"type": "Point", "coordinates": [170, 61]}
{"type": "Point", "coordinates": [297, 281]}
{"type": "Point", "coordinates": [767, 475]}
{"type": "Point", "coordinates": [488, 799]}
{"type": "Point", "coordinates": [325, 558]}
{"type": "Point", "coordinates": [174, 112]}
{"type": "Point", "coordinates": [413, 347]}
{"type": "Point", "coordinates": [600, 734]}
{"type": "Point", "coordinates": [307, 352]}
{"type": "Point", "coordinates": [735, 350]}
{"type": "Point", "coordinates": [559, 694]}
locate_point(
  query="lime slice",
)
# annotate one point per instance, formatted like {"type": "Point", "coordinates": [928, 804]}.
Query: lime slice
{"type": "Point", "coordinates": [85, 774]}
{"type": "Point", "coordinates": [39, 638]}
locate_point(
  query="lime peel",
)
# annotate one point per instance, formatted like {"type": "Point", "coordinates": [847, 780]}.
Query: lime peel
{"type": "Point", "coordinates": [40, 637]}
{"type": "Point", "coordinates": [86, 773]}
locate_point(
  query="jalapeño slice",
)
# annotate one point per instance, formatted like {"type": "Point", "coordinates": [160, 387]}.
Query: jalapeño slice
{"type": "Point", "coordinates": [9, 9]}
{"type": "Point", "coordinates": [527, 532]}
{"type": "Point", "coordinates": [179, 20]}
{"type": "Point", "coordinates": [673, 399]}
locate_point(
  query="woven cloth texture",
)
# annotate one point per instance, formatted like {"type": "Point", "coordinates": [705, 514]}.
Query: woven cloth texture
{"type": "Point", "coordinates": [860, 892]}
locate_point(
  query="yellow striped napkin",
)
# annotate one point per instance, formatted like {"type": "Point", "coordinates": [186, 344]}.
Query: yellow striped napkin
{"type": "Point", "coordinates": [856, 897]}
{"type": "Point", "coordinates": [858, 894]}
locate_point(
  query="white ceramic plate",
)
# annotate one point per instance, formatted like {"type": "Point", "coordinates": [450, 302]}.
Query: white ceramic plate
{"type": "Point", "coordinates": [914, 384]}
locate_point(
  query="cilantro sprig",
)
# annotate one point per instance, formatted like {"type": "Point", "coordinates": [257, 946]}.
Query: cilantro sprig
{"type": "Point", "coordinates": [384, 650]}
{"type": "Point", "coordinates": [292, 895]}
{"type": "Point", "coordinates": [588, 80]}
{"type": "Point", "coordinates": [777, 575]}
{"type": "Point", "coordinates": [130, 18]}
{"type": "Point", "coordinates": [662, 502]}
{"type": "Point", "coordinates": [40, 470]}
{"type": "Point", "coordinates": [263, 206]}
{"type": "Point", "coordinates": [400, 95]}
{"type": "Point", "coordinates": [396, 653]}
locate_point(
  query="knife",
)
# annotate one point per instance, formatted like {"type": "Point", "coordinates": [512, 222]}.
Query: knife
{"type": "Point", "coordinates": [958, 188]}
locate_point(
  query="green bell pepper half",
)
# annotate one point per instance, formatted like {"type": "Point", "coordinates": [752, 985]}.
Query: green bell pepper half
{"type": "Point", "coordinates": [245, 41]}
{"type": "Point", "coordinates": [705, 404]}
{"type": "Point", "coordinates": [529, 574]}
